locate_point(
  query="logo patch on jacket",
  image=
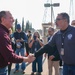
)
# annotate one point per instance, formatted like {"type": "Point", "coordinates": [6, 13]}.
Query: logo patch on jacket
{"type": "Point", "coordinates": [69, 36]}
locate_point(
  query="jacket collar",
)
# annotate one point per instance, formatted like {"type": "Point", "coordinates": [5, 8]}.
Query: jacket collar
{"type": "Point", "coordinates": [3, 27]}
{"type": "Point", "coordinates": [69, 28]}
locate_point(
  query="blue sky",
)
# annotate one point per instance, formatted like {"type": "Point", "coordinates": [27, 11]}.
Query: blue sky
{"type": "Point", "coordinates": [33, 10]}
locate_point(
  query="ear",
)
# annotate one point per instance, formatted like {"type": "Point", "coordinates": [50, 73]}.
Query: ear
{"type": "Point", "coordinates": [2, 19]}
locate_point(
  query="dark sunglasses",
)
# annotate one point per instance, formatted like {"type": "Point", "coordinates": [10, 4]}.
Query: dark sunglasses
{"type": "Point", "coordinates": [58, 19]}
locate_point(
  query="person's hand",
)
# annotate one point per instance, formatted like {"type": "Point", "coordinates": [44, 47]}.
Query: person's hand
{"type": "Point", "coordinates": [33, 40]}
{"type": "Point", "coordinates": [18, 40]}
{"type": "Point", "coordinates": [29, 59]}
{"type": "Point", "coordinates": [31, 55]}
{"type": "Point", "coordinates": [22, 40]}
{"type": "Point", "coordinates": [37, 39]}
{"type": "Point", "coordinates": [44, 54]}
{"type": "Point", "coordinates": [51, 57]}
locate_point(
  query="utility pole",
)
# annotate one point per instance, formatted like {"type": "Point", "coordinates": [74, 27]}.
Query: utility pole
{"type": "Point", "coordinates": [47, 17]}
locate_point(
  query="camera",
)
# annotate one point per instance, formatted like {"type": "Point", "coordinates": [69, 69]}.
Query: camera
{"type": "Point", "coordinates": [34, 37]}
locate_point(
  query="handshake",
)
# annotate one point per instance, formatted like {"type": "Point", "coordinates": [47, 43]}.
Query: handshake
{"type": "Point", "coordinates": [29, 59]}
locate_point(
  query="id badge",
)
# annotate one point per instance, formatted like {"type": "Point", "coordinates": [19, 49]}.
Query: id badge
{"type": "Point", "coordinates": [62, 51]}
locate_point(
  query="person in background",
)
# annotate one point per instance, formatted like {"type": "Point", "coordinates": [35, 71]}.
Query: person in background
{"type": "Point", "coordinates": [34, 45]}
{"type": "Point", "coordinates": [20, 39]}
{"type": "Point", "coordinates": [53, 61]}
{"type": "Point", "coordinates": [13, 47]}
{"type": "Point", "coordinates": [29, 35]}
{"type": "Point", "coordinates": [6, 52]}
{"type": "Point", "coordinates": [73, 23]}
{"type": "Point", "coordinates": [64, 40]}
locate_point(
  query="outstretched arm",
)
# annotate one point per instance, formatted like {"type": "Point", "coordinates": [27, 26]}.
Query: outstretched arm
{"type": "Point", "coordinates": [42, 50]}
{"type": "Point", "coordinates": [29, 59]}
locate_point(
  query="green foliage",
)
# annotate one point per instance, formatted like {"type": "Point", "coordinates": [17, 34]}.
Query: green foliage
{"type": "Point", "coordinates": [27, 26]}
{"type": "Point", "coordinates": [23, 24]}
{"type": "Point", "coordinates": [16, 21]}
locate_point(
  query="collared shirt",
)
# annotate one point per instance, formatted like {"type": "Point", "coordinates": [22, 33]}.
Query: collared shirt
{"type": "Point", "coordinates": [6, 52]}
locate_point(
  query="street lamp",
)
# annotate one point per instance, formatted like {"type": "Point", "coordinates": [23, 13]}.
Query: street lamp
{"type": "Point", "coordinates": [54, 4]}
{"type": "Point", "coordinates": [51, 5]}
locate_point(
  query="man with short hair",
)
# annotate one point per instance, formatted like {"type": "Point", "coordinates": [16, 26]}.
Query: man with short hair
{"type": "Point", "coordinates": [64, 40]}
{"type": "Point", "coordinates": [53, 61]}
{"type": "Point", "coordinates": [6, 52]}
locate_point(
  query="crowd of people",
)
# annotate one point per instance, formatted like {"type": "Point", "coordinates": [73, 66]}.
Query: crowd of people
{"type": "Point", "coordinates": [19, 47]}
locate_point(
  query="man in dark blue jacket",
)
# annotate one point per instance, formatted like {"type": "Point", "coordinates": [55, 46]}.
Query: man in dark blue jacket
{"type": "Point", "coordinates": [64, 40]}
{"type": "Point", "coordinates": [20, 39]}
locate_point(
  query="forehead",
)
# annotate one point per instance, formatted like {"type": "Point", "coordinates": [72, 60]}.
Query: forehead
{"type": "Point", "coordinates": [49, 29]}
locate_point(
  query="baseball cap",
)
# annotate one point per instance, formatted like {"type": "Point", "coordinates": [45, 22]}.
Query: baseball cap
{"type": "Point", "coordinates": [18, 26]}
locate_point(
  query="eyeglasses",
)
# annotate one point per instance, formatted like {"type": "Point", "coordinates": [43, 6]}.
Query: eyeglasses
{"type": "Point", "coordinates": [58, 19]}
{"type": "Point", "coordinates": [49, 31]}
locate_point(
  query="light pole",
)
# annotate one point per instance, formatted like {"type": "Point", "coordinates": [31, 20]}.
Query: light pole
{"type": "Point", "coordinates": [51, 5]}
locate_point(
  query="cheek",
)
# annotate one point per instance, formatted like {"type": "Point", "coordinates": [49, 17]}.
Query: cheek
{"type": "Point", "coordinates": [9, 24]}
{"type": "Point", "coordinates": [58, 25]}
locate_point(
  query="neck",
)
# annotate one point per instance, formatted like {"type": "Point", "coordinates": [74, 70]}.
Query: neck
{"type": "Point", "coordinates": [64, 30]}
{"type": "Point", "coordinates": [4, 25]}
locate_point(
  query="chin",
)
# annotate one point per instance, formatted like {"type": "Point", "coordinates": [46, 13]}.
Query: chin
{"type": "Point", "coordinates": [11, 25]}
{"type": "Point", "coordinates": [57, 27]}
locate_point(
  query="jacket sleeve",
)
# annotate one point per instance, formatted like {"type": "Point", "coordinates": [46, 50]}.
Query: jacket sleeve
{"type": "Point", "coordinates": [56, 53]}
{"type": "Point", "coordinates": [42, 50]}
{"type": "Point", "coordinates": [7, 52]}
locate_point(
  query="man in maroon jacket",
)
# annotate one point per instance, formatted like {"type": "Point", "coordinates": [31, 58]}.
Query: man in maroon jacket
{"type": "Point", "coordinates": [6, 52]}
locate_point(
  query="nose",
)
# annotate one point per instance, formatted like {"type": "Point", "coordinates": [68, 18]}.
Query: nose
{"type": "Point", "coordinates": [12, 19]}
{"type": "Point", "coordinates": [55, 22]}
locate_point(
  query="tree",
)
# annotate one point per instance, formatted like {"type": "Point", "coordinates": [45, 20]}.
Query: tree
{"type": "Point", "coordinates": [27, 26]}
{"type": "Point", "coordinates": [30, 26]}
{"type": "Point", "coordinates": [16, 21]}
{"type": "Point", "coordinates": [22, 24]}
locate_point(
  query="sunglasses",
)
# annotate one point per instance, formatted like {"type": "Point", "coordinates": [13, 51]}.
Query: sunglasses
{"type": "Point", "coordinates": [58, 19]}
{"type": "Point", "coordinates": [49, 31]}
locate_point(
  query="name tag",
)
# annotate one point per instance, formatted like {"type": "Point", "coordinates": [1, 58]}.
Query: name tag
{"type": "Point", "coordinates": [62, 51]}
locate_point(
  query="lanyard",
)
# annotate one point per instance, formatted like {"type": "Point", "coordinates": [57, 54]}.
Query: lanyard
{"type": "Point", "coordinates": [62, 40]}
